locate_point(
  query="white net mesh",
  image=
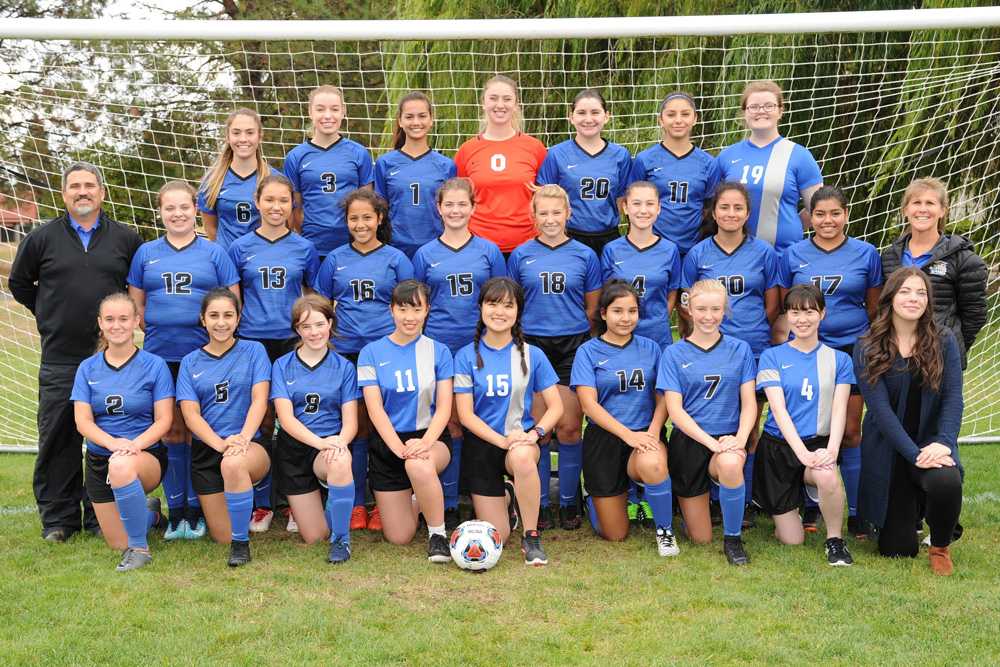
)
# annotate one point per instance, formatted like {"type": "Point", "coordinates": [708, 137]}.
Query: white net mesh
{"type": "Point", "coordinates": [876, 109]}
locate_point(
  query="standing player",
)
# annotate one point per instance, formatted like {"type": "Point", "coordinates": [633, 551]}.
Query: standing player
{"type": "Point", "coordinates": [562, 282]}
{"type": "Point", "coordinates": [649, 263]}
{"type": "Point", "coordinates": [684, 174]}
{"type": "Point", "coordinates": [453, 267]}
{"type": "Point", "coordinates": [776, 171]}
{"type": "Point", "coordinates": [406, 379]}
{"type": "Point", "coordinates": [615, 377]}
{"type": "Point", "coordinates": [409, 176]}
{"type": "Point", "coordinates": [849, 273]}
{"type": "Point", "coordinates": [223, 388]}
{"type": "Point", "coordinates": [708, 384]}
{"type": "Point", "coordinates": [503, 164]}
{"type": "Point", "coordinates": [496, 378]}
{"type": "Point", "coordinates": [123, 401]}
{"type": "Point", "coordinates": [359, 278]}
{"type": "Point", "coordinates": [807, 385]}
{"type": "Point", "coordinates": [315, 394]}
{"type": "Point", "coordinates": [592, 170]}
{"type": "Point", "coordinates": [226, 193]}
{"type": "Point", "coordinates": [274, 265]}
{"type": "Point", "coordinates": [167, 280]}
{"type": "Point", "coordinates": [324, 170]}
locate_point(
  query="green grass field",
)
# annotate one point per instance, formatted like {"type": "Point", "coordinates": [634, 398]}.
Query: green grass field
{"type": "Point", "coordinates": [596, 603]}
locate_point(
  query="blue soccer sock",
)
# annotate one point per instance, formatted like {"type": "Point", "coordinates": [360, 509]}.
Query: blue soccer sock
{"type": "Point", "coordinates": [733, 500]}
{"type": "Point", "coordinates": [240, 506]}
{"type": "Point", "coordinates": [850, 470]}
{"type": "Point", "coordinates": [748, 477]}
{"type": "Point", "coordinates": [661, 498]}
{"type": "Point", "coordinates": [570, 463]}
{"type": "Point", "coordinates": [131, 502]}
{"type": "Point", "coordinates": [633, 492]}
{"type": "Point", "coordinates": [339, 503]}
{"type": "Point", "coordinates": [359, 470]}
{"type": "Point", "coordinates": [262, 492]}
{"type": "Point", "coordinates": [449, 476]}
{"type": "Point", "coordinates": [545, 472]}
{"type": "Point", "coordinates": [592, 515]}
{"type": "Point", "coordinates": [192, 497]}
{"type": "Point", "coordinates": [177, 477]}
{"type": "Point", "coordinates": [713, 493]}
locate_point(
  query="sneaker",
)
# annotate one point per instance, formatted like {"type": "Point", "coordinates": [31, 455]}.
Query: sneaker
{"type": "Point", "coordinates": [291, 526]}
{"type": "Point", "coordinates": [451, 520]}
{"type": "Point", "coordinates": [569, 518]}
{"type": "Point", "coordinates": [545, 518]}
{"type": "Point", "coordinates": [940, 559]}
{"type": "Point", "coordinates": [239, 553]}
{"type": "Point", "coordinates": [178, 532]}
{"type": "Point", "coordinates": [55, 535]}
{"type": "Point", "coordinates": [197, 531]}
{"type": "Point", "coordinates": [340, 552]}
{"type": "Point", "coordinates": [715, 512]}
{"type": "Point", "coordinates": [857, 528]}
{"type": "Point", "coordinates": [837, 553]}
{"type": "Point", "coordinates": [260, 520]}
{"type": "Point", "coordinates": [375, 520]}
{"type": "Point", "coordinates": [666, 544]}
{"type": "Point", "coordinates": [133, 559]}
{"type": "Point", "coordinates": [437, 549]}
{"type": "Point", "coordinates": [531, 547]}
{"type": "Point", "coordinates": [926, 542]}
{"type": "Point", "coordinates": [359, 518]}
{"type": "Point", "coordinates": [632, 511]}
{"type": "Point", "coordinates": [732, 546]}
{"type": "Point", "coordinates": [153, 505]}
{"type": "Point", "coordinates": [810, 515]}
{"type": "Point", "coordinates": [750, 512]}
{"type": "Point", "coordinates": [645, 514]}
{"type": "Point", "coordinates": [513, 511]}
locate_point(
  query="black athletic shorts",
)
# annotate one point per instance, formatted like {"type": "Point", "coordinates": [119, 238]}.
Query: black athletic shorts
{"type": "Point", "coordinates": [276, 347]}
{"type": "Point", "coordinates": [293, 464]}
{"type": "Point", "coordinates": [688, 461]}
{"type": "Point", "coordinates": [605, 462]}
{"type": "Point", "coordinates": [97, 474]}
{"type": "Point", "coordinates": [174, 367]}
{"type": "Point", "coordinates": [386, 471]}
{"type": "Point", "coordinates": [560, 351]}
{"type": "Point", "coordinates": [351, 357]}
{"type": "Point", "coordinates": [206, 470]}
{"type": "Point", "coordinates": [483, 466]}
{"type": "Point", "coordinates": [849, 351]}
{"type": "Point", "coordinates": [778, 474]}
{"type": "Point", "coordinates": [594, 240]}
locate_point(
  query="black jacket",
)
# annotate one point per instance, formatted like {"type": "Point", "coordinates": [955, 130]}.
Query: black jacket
{"type": "Point", "coordinates": [958, 279]}
{"type": "Point", "coordinates": [62, 284]}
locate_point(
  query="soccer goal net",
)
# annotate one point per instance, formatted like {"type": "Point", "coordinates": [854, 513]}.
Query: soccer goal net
{"type": "Point", "coordinates": [879, 98]}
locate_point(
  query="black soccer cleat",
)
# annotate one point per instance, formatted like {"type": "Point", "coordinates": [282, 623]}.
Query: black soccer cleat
{"type": "Point", "coordinates": [732, 546]}
{"type": "Point", "coordinates": [239, 553]}
{"type": "Point", "coordinates": [438, 550]}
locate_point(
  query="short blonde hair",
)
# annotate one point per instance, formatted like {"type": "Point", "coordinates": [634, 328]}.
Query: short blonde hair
{"type": "Point", "coordinates": [709, 286]}
{"type": "Point", "coordinates": [762, 86]}
{"type": "Point", "coordinates": [925, 184]}
{"type": "Point", "coordinates": [550, 191]}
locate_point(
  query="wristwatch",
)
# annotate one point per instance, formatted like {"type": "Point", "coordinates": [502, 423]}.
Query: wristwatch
{"type": "Point", "coordinates": [540, 431]}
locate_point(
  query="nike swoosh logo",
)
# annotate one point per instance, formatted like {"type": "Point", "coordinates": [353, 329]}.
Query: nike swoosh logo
{"type": "Point", "coordinates": [152, 261]}
{"type": "Point", "coordinates": [802, 266]}
{"type": "Point", "coordinates": [341, 268]}
{"type": "Point", "coordinates": [383, 363]}
{"type": "Point", "coordinates": [706, 266]}
{"type": "Point", "coordinates": [197, 375]}
{"type": "Point", "coordinates": [249, 257]}
{"type": "Point", "coordinates": [739, 159]}
{"type": "Point", "coordinates": [529, 261]}
{"type": "Point", "coordinates": [784, 366]}
{"type": "Point", "coordinates": [620, 261]}
{"type": "Point", "coordinates": [433, 264]}
{"type": "Point", "coordinates": [687, 364]}
{"type": "Point", "coordinates": [306, 164]}
{"type": "Point", "coordinates": [92, 381]}
{"type": "Point", "coordinates": [175, 495]}
{"type": "Point", "coordinates": [601, 363]}
{"type": "Point", "coordinates": [393, 173]}
{"type": "Point", "coordinates": [571, 166]}
{"type": "Point", "coordinates": [289, 381]}
{"type": "Point", "coordinates": [657, 169]}
{"type": "Point", "coordinates": [222, 192]}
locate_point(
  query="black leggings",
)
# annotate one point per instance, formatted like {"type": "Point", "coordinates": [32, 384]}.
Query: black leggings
{"type": "Point", "coordinates": [940, 489]}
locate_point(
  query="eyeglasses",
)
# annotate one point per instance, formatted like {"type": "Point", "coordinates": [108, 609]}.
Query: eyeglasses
{"type": "Point", "coordinates": [756, 108]}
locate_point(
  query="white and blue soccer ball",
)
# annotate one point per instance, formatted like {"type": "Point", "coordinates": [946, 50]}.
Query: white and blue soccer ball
{"type": "Point", "coordinates": [476, 545]}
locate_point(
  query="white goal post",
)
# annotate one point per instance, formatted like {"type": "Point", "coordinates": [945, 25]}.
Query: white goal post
{"type": "Point", "coordinates": [878, 97]}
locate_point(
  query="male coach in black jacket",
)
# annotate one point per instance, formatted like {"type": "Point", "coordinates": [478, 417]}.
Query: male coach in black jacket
{"type": "Point", "coordinates": [61, 272]}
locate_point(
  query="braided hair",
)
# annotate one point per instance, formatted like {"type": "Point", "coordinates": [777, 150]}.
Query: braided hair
{"type": "Point", "coordinates": [496, 290]}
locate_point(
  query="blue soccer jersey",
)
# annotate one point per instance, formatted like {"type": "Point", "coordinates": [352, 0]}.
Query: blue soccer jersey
{"type": "Point", "coordinates": [175, 280]}
{"type": "Point", "coordinates": [654, 272]}
{"type": "Point", "coordinates": [235, 212]}
{"type": "Point", "coordinates": [747, 273]}
{"type": "Point", "coordinates": [775, 176]}
{"type": "Point", "coordinates": [223, 386]}
{"type": "Point", "coordinates": [708, 381]}
{"type": "Point", "coordinates": [454, 276]}
{"type": "Point", "coordinates": [272, 274]}
{"type": "Point", "coordinates": [316, 392]}
{"type": "Point", "coordinates": [410, 185]}
{"type": "Point", "coordinates": [623, 375]}
{"type": "Point", "coordinates": [685, 183]}
{"type": "Point", "coordinates": [502, 392]}
{"type": "Point", "coordinates": [361, 284]}
{"type": "Point", "coordinates": [808, 380]}
{"type": "Point", "coordinates": [555, 281]}
{"type": "Point", "coordinates": [844, 275]}
{"type": "Point", "coordinates": [407, 376]}
{"type": "Point", "coordinates": [593, 182]}
{"type": "Point", "coordinates": [323, 177]}
{"type": "Point", "coordinates": [122, 398]}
